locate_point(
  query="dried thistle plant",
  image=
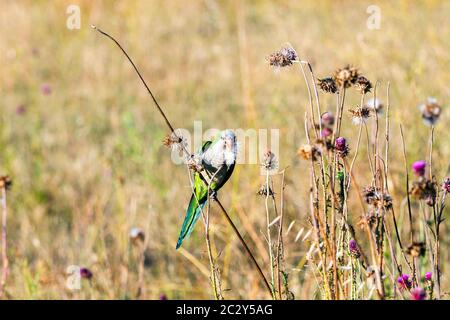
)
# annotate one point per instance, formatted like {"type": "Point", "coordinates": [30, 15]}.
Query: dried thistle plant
{"type": "Point", "coordinates": [284, 57]}
{"type": "Point", "coordinates": [327, 85]}
{"type": "Point", "coordinates": [431, 111]}
{"type": "Point", "coordinates": [270, 161]}
{"type": "Point", "coordinates": [363, 85]}
{"type": "Point", "coordinates": [375, 105]}
{"type": "Point", "coordinates": [359, 115]}
{"type": "Point", "coordinates": [264, 191]}
{"type": "Point", "coordinates": [308, 152]}
{"type": "Point", "coordinates": [346, 77]}
{"type": "Point", "coordinates": [425, 189]}
{"type": "Point", "coordinates": [416, 249]}
{"type": "Point", "coordinates": [5, 182]}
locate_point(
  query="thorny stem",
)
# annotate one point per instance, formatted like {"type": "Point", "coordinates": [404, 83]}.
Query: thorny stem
{"type": "Point", "coordinates": [269, 238]}
{"type": "Point", "coordinates": [316, 219]}
{"type": "Point", "coordinates": [310, 100]}
{"type": "Point", "coordinates": [5, 262]}
{"type": "Point", "coordinates": [437, 221]}
{"type": "Point", "coordinates": [224, 212]}
{"type": "Point", "coordinates": [411, 224]}
{"type": "Point", "coordinates": [280, 247]}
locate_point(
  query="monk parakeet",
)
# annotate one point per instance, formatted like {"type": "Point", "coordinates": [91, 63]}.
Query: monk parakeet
{"type": "Point", "coordinates": [217, 158]}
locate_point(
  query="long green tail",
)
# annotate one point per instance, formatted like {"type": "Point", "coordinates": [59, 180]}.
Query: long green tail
{"type": "Point", "coordinates": [192, 215]}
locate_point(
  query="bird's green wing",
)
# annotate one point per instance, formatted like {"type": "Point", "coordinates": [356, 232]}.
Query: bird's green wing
{"type": "Point", "coordinates": [196, 204]}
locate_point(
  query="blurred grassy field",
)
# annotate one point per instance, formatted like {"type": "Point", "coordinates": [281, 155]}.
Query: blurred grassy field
{"type": "Point", "coordinates": [87, 160]}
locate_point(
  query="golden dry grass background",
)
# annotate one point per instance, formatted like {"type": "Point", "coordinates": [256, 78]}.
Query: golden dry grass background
{"type": "Point", "coordinates": [87, 160]}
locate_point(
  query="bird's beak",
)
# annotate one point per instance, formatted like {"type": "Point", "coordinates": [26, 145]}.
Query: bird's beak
{"type": "Point", "coordinates": [229, 144]}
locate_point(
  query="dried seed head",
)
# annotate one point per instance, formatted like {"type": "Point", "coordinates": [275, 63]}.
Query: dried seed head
{"type": "Point", "coordinates": [376, 198]}
{"type": "Point", "coordinates": [387, 201]}
{"type": "Point", "coordinates": [359, 115]}
{"type": "Point", "coordinates": [282, 58]}
{"type": "Point", "coordinates": [137, 235]}
{"type": "Point", "coordinates": [370, 194]}
{"type": "Point", "coordinates": [270, 161]}
{"type": "Point", "coordinates": [416, 249]}
{"type": "Point", "coordinates": [346, 76]}
{"type": "Point", "coordinates": [363, 85]}
{"type": "Point", "coordinates": [264, 192]}
{"type": "Point", "coordinates": [175, 141]}
{"type": "Point", "coordinates": [366, 220]}
{"type": "Point", "coordinates": [309, 152]}
{"type": "Point", "coordinates": [424, 189]}
{"type": "Point", "coordinates": [374, 105]}
{"type": "Point", "coordinates": [5, 182]}
{"type": "Point", "coordinates": [431, 111]}
{"type": "Point", "coordinates": [195, 163]}
{"type": "Point", "coordinates": [327, 85]}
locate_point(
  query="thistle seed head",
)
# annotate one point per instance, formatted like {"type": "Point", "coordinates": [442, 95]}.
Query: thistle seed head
{"type": "Point", "coordinates": [374, 105]}
{"type": "Point", "coordinates": [283, 58]}
{"type": "Point", "coordinates": [425, 189]}
{"type": "Point", "coordinates": [416, 249]}
{"type": "Point", "coordinates": [5, 182]}
{"type": "Point", "coordinates": [137, 235]}
{"type": "Point", "coordinates": [377, 199]}
{"type": "Point", "coordinates": [327, 85]}
{"type": "Point", "coordinates": [363, 85]}
{"type": "Point", "coordinates": [346, 77]}
{"type": "Point", "coordinates": [270, 161]}
{"type": "Point", "coordinates": [431, 111]}
{"type": "Point", "coordinates": [308, 152]}
{"type": "Point", "coordinates": [359, 115]}
{"type": "Point", "coordinates": [264, 192]}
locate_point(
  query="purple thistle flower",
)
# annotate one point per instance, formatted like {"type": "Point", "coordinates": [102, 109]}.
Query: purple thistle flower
{"type": "Point", "coordinates": [327, 118]}
{"type": "Point", "coordinates": [85, 273]}
{"type": "Point", "coordinates": [341, 147]}
{"type": "Point", "coordinates": [21, 109]}
{"type": "Point", "coordinates": [46, 89]}
{"type": "Point", "coordinates": [162, 297]}
{"type": "Point", "coordinates": [326, 132]}
{"type": "Point", "coordinates": [419, 167]}
{"type": "Point", "coordinates": [340, 143]}
{"type": "Point", "coordinates": [403, 282]}
{"type": "Point", "coordinates": [446, 185]}
{"type": "Point", "coordinates": [428, 276]}
{"type": "Point", "coordinates": [418, 294]}
{"type": "Point", "coordinates": [353, 248]}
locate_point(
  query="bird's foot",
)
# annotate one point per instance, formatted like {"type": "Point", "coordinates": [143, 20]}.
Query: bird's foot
{"type": "Point", "coordinates": [213, 195]}
{"type": "Point", "coordinates": [195, 163]}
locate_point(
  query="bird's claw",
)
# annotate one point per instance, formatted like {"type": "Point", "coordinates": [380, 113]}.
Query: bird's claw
{"type": "Point", "coordinates": [213, 195]}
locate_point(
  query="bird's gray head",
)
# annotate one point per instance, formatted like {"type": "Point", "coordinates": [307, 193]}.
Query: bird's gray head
{"type": "Point", "coordinates": [229, 139]}
{"type": "Point", "coordinates": [230, 146]}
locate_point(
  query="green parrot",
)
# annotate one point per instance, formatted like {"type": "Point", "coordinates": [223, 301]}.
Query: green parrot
{"type": "Point", "coordinates": [217, 157]}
